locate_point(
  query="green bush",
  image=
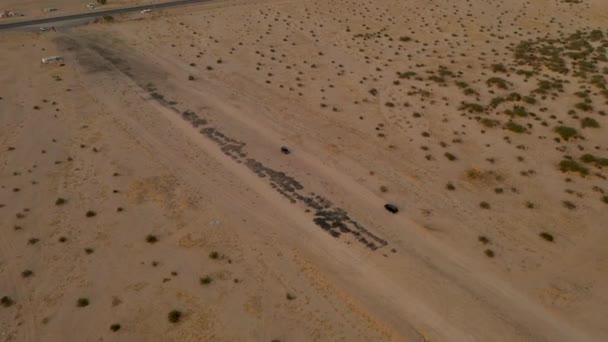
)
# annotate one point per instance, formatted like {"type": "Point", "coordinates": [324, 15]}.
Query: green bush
{"type": "Point", "coordinates": [584, 106]}
{"type": "Point", "coordinates": [566, 132]}
{"type": "Point", "coordinates": [589, 122]}
{"type": "Point", "coordinates": [472, 107]}
{"type": "Point", "coordinates": [515, 127]}
{"type": "Point", "coordinates": [174, 316]}
{"type": "Point", "coordinates": [82, 302]}
{"type": "Point", "coordinates": [450, 156]}
{"type": "Point", "coordinates": [590, 158]}
{"type": "Point", "coordinates": [518, 111]}
{"type": "Point", "coordinates": [546, 236]}
{"type": "Point", "coordinates": [6, 301]}
{"type": "Point", "coordinates": [499, 82]}
{"type": "Point", "coordinates": [568, 165]}
{"type": "Point", "coordinates": [489, 122]}
{"type": "Point", "coordinates": [499, 67]}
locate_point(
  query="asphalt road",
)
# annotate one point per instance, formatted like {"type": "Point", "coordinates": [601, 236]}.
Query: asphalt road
{"type": "Point", "coordinates": [98, 13]}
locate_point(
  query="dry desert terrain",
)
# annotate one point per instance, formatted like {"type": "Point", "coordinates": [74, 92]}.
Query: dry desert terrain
{"type": "Point", "coordinates": [144, 195]}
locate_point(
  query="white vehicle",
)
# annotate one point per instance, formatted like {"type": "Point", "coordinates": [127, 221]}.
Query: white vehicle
{"type": "Point", "coordinates": [144, 11]}
{"type": "Point", "coordinates": [43, 29]}
{"type": "Point", "coordinates": [91, 6]}
{"type": "Point", "coordinates": [47, 60]}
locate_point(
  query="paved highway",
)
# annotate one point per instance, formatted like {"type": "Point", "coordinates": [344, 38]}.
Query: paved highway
{"type": "Point", "coordinates": [96, 13]}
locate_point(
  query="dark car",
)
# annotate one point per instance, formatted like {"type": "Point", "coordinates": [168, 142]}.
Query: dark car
{"type": "Point", "coordinates": [392, 208]}
{"type": "Point", "coordinates": [285, 150]}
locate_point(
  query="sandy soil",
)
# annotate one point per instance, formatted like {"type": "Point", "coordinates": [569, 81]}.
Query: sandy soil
{"type": "Point", "coordinates": [145, 175]}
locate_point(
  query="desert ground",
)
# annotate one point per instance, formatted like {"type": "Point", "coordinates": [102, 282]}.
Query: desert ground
{"type": "Point", "coordinates": [144, 195]}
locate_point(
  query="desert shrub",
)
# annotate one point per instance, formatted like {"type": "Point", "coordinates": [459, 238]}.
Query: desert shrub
{"type": "Point", "coordinates": [569, 205]}
{"type": "Point", "coordinates": [151, 239]}
{"type": "Point", "coordinates": [461, 84]}
{"type": "Point", "coordinates": [483, 239]}
{"type": "Point", "coordinates": [529, 99]}
{"type": "Point", "coordinates": [450, 186]}
{"type": "Point", "coordinates": [471, 107]}
{"type": "Point", "coordinates": [565, 132]}
{"type": "Point", "coordinates": [60, 201]}
{"type": "Point", "coordinates": [605, 199]}
{"type": "Point", "coordinates": [489, 122]}
{"type": "Point", "coordinates": [589, 122]}
{"type": "Point", "coordinates": [469, 91]}
{"type": "Point", "coordinates": [90, 213]}
{"type": "Point", "coordinates": [546, 236]}
{"type": "Point", "coordinates": [108, 18]}
{"type": "Point", "coordinates": [489, 253]}
{"type": "Point", "coordinates": [190, 78]}
{"type": "Point", "coordinates": [515, 127]}
{"type": "Point", "coordinates": [27, 273]}
{"type": "Point", "coordinates": [568, 165]}
{"type": "Point", "coordinates": [102, 2]}
{"type": "Point", "coordinates": [597, 161]}
{"type": "Point", "coordinates": [495, 102]}
{"type": "Point", "coordinates": [584, 106]}
{"type": "Point", "coordinates": [115, 327]}
{"type": "Point", "coordinates": [6, 301]}
{"type": "Point", "coordinates": [499, 67]}
{"type": "Point", "coordinates": [450, 156]}
{"type": "Point", "coordinates": [497, 81]}
{"type": "Point", "coordinates": [484, 205]}
{"type": "Point", "coordinates": [290, 296]}
{"type": "Point", "coordinates": [214, 255]}
{"type": "Point", "coordinates": [174, 316]}
{"type": "Point", "coordinates": [518, 111]}
{"type": "Point", "coordinates": [206, 280]}
{"type": "Point", "coordinates": [82, 302]}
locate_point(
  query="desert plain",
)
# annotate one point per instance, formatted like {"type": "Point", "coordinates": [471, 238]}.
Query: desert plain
{"type": "Point", "coordinates": [144, 195]}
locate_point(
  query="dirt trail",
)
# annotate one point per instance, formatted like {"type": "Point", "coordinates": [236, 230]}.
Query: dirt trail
{"type": "Point", "coordinates": [369, 275]}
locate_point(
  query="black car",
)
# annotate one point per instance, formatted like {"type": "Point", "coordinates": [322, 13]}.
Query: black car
{"type": "Point", "coordinates": [392, 208]}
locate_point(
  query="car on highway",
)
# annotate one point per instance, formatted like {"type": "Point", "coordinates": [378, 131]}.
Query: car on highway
{"type": "Point", "coordinates": [144, 11]}
{"type": "Point", "coordinates": [91, 6]}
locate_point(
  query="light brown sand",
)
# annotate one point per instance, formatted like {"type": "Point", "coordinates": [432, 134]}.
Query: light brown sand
{"type": "Point", "coordinates": [107, 131]}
